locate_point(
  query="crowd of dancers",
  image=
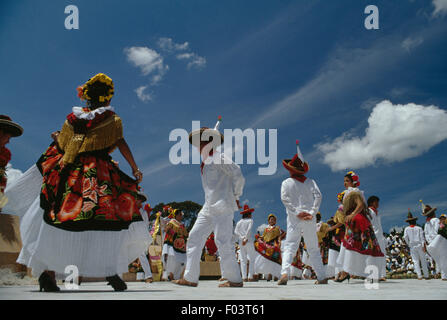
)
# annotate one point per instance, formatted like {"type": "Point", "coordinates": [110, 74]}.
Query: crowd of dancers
{"type": "Point", "coordinates": [78, 208]}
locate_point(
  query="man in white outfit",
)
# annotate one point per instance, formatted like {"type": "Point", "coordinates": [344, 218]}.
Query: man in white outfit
{"type": "Point", "coordinates": [373, 206]}
{"type": "Point", "coordinates": [302, 199]}
{"type": "Point", "coordinates": [414, 237]}
{"type": "Point", "coordinates": [243, 231]}
{"type": "Point", "coordinates": [223, 184]}
{"type": "Point", "coordinates": [431, 228]}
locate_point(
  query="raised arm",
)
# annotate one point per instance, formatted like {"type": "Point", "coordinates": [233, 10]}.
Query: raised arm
{"type": "Point", "coordinates": [127, 154]}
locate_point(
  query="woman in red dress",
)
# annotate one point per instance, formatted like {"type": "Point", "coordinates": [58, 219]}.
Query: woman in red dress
{"type": "Point", "coordinates": [268, 247]}
{"type": "Point", "coordinates": [360, 252]}
{"type": "Point", "coordinates": [91, 208]}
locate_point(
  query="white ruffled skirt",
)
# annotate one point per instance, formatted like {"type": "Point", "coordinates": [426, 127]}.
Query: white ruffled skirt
{"type": "Point", "coordinates": [266, 267]}
{"type": "Point", "coordinates": [438, 251]}
{"type": "Point", "coordinates": [93, 253]}
{"type": "Point", "coordinates": [358, 264]}
{"type": "Point", "coordinates": [332, 268]}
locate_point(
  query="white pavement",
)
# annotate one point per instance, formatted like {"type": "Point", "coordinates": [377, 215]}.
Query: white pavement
{"type": "Point", "coordinates": [393, 289]}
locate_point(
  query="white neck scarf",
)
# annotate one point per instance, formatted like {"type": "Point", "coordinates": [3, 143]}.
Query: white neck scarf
{"type": "Point", "coordinates": [81, 114]}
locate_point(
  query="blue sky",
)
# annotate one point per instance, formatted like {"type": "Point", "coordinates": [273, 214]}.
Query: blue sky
{"type": "Point", "coordinates": [370, 100]}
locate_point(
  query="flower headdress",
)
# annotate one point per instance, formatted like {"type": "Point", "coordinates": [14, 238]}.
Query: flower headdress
{"type": "Point", "coordinates": [354, 177]}
{"type": "Point", "coordinates": [83, 91]}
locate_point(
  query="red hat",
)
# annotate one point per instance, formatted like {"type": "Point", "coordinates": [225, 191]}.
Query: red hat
{"type": "Point", "coordinates": [247, 209]}
{"type": "Point", "coordinates": [296, 165]}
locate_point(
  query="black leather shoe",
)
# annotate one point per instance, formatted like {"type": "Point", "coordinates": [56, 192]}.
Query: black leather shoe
{"type": "Point", "coordinates": [47, 283]}
{"type": "Point", "coordinates": [117, 283]}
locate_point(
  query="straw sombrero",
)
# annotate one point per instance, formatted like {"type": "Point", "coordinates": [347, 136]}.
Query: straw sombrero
{"type": "Point", "coordinates": [211, 135]}
{"type": "Point", "coordinates": [410, 217]}
{"type": "Point", "coordinates": [426, 209]}
{"type": "Point", "coordinates": [6, 124]}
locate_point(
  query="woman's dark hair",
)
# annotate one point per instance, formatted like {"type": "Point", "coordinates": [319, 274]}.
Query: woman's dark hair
{"type": "Point", "coordinates": [246, 215]}
{"type": "Point", "coordinates": [95, 90]}
{"type": "Point", "coordinates": [349, 177]}
{"type": "Point", "coordinates": [373, 199]}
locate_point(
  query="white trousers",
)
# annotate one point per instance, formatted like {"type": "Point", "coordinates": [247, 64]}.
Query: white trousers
{"type": "Point", "coordinates": [146, 266]}
{"type": "Point", "coordinates": [307, 230]}
{"type": "Point", "coordinates": [247, 252]}
{"type": "Point", "coordinates": [222, 225]}
{"type": "Point", "coordinates": [418, 257]}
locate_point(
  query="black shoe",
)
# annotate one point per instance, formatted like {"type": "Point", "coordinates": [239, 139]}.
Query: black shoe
{"type": "Point", "coordinates": [47, 283]}
{"type": "Point", "coordinates": [341, 279]}
{"type": "Point", "coordinates": [117, 283]}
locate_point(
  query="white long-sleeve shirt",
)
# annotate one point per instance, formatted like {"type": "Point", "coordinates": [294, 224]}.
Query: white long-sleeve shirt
{"type": "Point", "coordinates": [377, 227]}
{"type": "Point", "coordinates": [243, 229]}
{"type": "Point", "coordinates": [300, 197]}
{"type": "Point", "coordinates": [223, 183]}
{"type": "Point", "coordinates": [431, 229]}
{"type": "Point", "coordinates": [414, 236]}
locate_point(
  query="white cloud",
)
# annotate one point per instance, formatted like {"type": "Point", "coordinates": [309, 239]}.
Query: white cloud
{"type": "Point", "coordinates": [440, 7]}
{"type": "Point", "coordinates": [148, 60]}
{"type": "Point", "coordinates": [142, 95]}
{"type": "Point", "coordinates": [167, 44]}
{"type": "Point", "coordinates": [195, 61]}
{"type": "Point", "coordinates": [395, 133]}
{"type": "Point", "coordinates": [410, 43]}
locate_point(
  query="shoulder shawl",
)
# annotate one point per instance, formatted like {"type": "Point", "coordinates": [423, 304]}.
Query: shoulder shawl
{"type": "Point", "coordinates": [103, 136]}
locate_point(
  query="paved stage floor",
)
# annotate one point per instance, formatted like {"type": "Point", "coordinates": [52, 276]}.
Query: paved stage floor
{"type": "Point", "coordinates": [393, 289]}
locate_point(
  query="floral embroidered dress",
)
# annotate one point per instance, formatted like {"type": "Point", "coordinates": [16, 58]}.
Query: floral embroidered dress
{"type": "Point", "coordinates": [85, 211]}
{"type": "Point", "coordinates": [176, 236]}
{"type": "Point", "coordinates": [268, 245]}
{"type": "Point", "coordinates": [359, 235]}
{"type": "Point", "coordinates": [360, 247]}
{"type": "Point", "coordinates": [83, 189]}
{"type": "Point", "coordinates": [297, 262]}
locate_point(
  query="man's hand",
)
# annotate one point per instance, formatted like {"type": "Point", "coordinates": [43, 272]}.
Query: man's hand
{"type": "Point", "coordinates": [304, 216]}
{"type": "Point", "coordinates": [54, 135]}
{"type": "Point", "coordinates": [244, 242]}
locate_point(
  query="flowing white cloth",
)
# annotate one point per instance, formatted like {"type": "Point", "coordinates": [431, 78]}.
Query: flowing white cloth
{"type": "Point", "coordinates": [94, 253]}
{"type": "Point", "coordinates": [266, 267]}
{"type": "Point", "coordinates": [332, 268]}
{"type": "Point", "coordinates": [438, 250]}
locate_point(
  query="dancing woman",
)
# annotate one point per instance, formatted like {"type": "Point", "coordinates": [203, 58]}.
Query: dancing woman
{"type": "Point", "coordinates": [268, 246]}
{"type": "Point", "coordinates": [360, 248]}
{"type": "Point", "coordinates": [90, 208]}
